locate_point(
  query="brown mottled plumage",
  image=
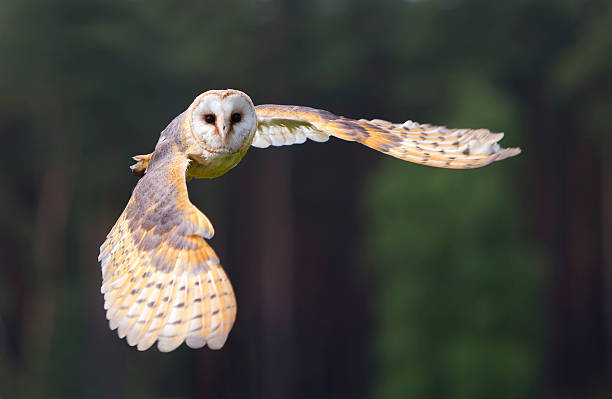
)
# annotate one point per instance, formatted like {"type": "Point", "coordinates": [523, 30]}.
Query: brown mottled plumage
{"type": "Point", "coordinates": [161, 280]}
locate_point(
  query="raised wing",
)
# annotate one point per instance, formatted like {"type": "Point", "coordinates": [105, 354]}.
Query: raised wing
{"type": "Point", "coordinates": [161, 280]}
{"type": "Point", "coordinates": [420, 143]}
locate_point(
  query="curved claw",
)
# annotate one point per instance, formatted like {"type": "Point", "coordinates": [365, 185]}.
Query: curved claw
{"type": "Point", "coordinates": [140, 167]}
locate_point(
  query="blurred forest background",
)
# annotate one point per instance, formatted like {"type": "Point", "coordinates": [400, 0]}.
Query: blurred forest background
{"type": "Point", "coordinates": [357, 275]}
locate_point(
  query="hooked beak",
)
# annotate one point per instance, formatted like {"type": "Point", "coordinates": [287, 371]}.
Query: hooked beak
{"type": "Point", "coordinates": [224, 129]}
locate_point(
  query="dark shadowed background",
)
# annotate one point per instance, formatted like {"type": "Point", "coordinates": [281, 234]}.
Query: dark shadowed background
{"type": "Point", "coordinates": [357, 275]}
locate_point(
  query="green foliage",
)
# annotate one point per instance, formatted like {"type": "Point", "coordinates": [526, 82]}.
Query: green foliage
{"type": "Point", "coordinates": [458, 285]}
{"type": "Point", "coordinates": [457, 311]}
{"type": "Point", "coordinates": [458, 279]}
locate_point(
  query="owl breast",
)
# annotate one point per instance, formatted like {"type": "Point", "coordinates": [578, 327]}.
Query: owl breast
{"type": "Point", "coordinates": [212, 165]}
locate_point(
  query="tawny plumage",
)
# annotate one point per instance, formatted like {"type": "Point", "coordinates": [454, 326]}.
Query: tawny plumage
{"type": "Point", "coordinates": [162, 282]}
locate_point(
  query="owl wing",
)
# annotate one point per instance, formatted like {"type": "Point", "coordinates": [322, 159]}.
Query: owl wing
{"type": "Point", "coordinates": [161, 280]}
{"type": "Point", "coordinates": [438, 146]}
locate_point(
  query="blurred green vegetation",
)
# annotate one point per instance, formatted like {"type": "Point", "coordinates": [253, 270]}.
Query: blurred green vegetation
{"type": "Point", "coordinates": [459, 279]}
{"type": "Point", "coordinates": [486, 283]}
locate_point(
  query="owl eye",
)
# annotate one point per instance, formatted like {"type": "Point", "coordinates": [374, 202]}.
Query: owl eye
{"type": "Point", "coordinates": [236, 117]}
{"type": "Point", "coordinates": [210, 118]}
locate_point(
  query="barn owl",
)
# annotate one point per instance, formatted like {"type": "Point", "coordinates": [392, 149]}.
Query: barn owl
{"type": "Point", "coordinates": [162, 282]}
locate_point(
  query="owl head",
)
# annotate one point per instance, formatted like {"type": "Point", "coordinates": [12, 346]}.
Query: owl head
{"type": "Point", "coordinates": [222, 121]}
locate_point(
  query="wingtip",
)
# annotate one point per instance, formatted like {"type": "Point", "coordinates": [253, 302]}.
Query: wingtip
{"type": "Point", "coordinates": [166, 345]}
{"type": "Point", "coordinates": [508, 152]}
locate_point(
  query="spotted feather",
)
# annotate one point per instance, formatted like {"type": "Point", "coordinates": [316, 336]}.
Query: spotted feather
{"type": "Point", "coordinates": [420, 143]}
{"type": "Point", "coordinates": [161, 280]}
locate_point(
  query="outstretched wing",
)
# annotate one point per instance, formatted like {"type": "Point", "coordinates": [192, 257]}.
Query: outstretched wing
{"type": "Point", "coordinates": [420, 143]}
{"type": "Point", "coordinates": [161, 280]}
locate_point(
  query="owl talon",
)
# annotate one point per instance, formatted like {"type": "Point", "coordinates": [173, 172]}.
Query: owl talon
{"type": "Point", "coordinates": [140, 167]}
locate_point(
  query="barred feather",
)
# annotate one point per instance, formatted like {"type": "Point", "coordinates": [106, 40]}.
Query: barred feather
{"type": "Point", "coordinates": [161, 280]}
{"type": "Point", "coordinates": [420, 143]}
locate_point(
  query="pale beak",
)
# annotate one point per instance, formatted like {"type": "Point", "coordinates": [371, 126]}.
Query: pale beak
{"type": "Point", "coordinates": [224, 129]}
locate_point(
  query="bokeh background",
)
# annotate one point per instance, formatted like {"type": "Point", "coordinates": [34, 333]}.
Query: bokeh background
{"type": "Point", "coordinates": [357, 275]}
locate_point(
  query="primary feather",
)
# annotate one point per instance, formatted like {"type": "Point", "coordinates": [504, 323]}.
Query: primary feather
{"type": "Point", "coordinates": [420, 143]}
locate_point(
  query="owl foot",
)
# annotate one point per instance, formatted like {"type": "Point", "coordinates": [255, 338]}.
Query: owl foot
{"type": "Point", "coordinates": [140, 167]}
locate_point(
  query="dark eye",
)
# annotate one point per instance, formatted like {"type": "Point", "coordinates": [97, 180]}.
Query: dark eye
{"type": "Point", "coordinates": [236, 117]}
{"type": "Point", "coordinates": [209, 118]}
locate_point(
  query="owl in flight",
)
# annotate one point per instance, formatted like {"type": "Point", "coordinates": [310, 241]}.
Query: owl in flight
{"type": "Point", "coordinates": [161, 280]}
